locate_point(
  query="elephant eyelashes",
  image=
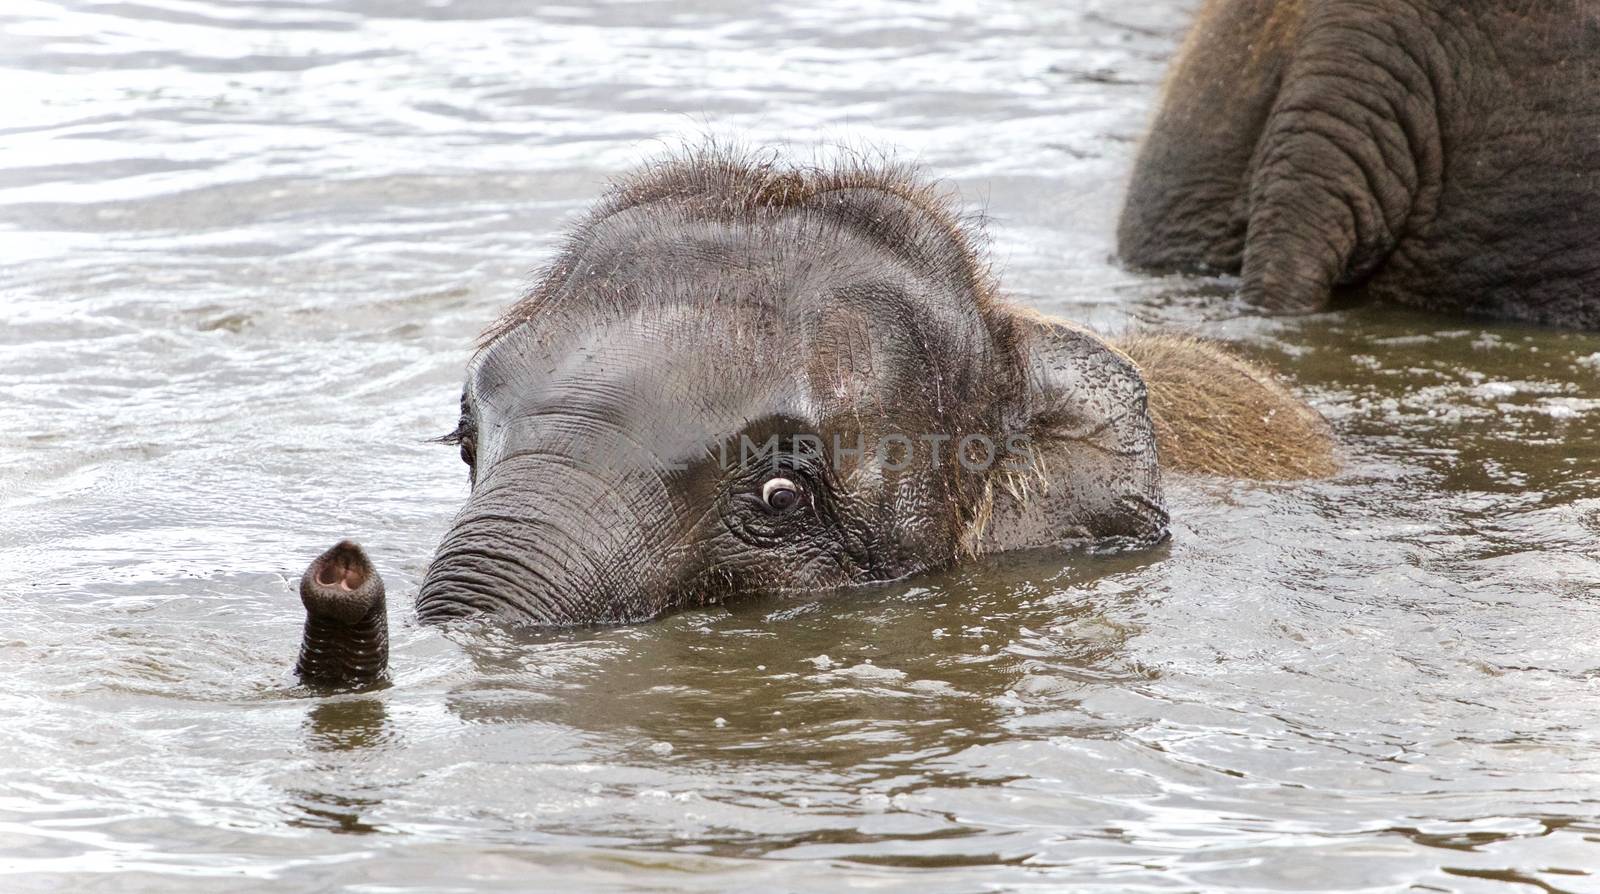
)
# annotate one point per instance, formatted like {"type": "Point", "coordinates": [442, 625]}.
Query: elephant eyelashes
{"type": "Point", "coordinates": [466, 437]}
{"type": "Point", "coordinates": [781, 496]}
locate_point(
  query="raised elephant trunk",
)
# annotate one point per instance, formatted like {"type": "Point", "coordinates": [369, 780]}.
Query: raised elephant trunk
{"type": "Point", "coordinates": [346, 638]}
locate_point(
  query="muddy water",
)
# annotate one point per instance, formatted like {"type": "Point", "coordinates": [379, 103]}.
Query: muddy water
{"type": "Point", "coordinates": [244, 250]}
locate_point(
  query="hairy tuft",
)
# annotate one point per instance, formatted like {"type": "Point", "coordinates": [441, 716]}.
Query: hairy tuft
{"type": "Point", "coordinates": [1217, 414]}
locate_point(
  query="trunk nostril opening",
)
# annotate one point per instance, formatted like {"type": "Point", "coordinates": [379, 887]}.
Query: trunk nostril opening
{"type": "Point", "coordinates": [328, 575]}
{"type": "Point", "coordinates": [342, 568]}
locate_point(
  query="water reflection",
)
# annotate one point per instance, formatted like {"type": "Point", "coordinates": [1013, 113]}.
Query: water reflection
{"type": "Point", "coordinates": [348, 724]}
{"type": "Point", "coordinates": [341, 732]}
{"type": "Point", "coordinates": [857, 677]}
{"type": "Point", "coordinates": [329, 812]}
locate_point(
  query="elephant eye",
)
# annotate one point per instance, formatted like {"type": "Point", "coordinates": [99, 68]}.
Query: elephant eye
{"type": "Point", "coordinates": [780, 495]}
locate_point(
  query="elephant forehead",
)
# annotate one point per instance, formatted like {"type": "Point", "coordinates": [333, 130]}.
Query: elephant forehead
{"type": "Point", "coordinates": [798, 289]}
{"type": "Point", "coordinates": [687, 366]}
{"type": "Point", "coordinates": [655, 373]}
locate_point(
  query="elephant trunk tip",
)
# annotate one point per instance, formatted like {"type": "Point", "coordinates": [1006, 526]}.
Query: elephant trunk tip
{"type": "Point", "coordinates": [341, 584]}
{"type": "Point", "coordinates": [346, 637]}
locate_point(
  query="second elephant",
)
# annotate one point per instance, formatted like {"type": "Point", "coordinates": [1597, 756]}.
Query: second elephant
{"type": "Point", "coordinates": [1442, 154]}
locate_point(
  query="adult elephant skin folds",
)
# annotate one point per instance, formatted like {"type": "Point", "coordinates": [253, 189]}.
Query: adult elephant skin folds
{"type": "Point", "coordinates": [1441, 154]}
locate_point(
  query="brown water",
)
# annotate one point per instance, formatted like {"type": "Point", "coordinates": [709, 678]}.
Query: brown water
{"type": "Point", "coordinates": [244, 250]}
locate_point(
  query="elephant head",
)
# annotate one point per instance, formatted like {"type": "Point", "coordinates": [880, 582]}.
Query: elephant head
{"type": "Point", "coordinates": [741, 379]}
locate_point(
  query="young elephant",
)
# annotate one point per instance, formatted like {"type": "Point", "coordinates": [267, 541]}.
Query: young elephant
{"type": "Point", "coordinates": [738, 378]}
{"type": "Point", "coordinates": [1443, 154]}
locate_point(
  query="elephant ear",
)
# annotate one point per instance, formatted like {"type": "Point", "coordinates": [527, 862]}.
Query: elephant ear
{"type": "Point", "coordinates": [1091, 478]}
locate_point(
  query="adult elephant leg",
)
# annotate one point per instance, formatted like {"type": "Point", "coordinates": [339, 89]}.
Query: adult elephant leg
{"type": "Point", "coordinates": [346, 637]}
{"type": "Point", "coordinates": [1186, 204]}
{"type": "Point", "coordinates": [1352, 155]}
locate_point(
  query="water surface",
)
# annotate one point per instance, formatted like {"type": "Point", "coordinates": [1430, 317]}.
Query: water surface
{"type": "Point", "coordinates": [245, 248]}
